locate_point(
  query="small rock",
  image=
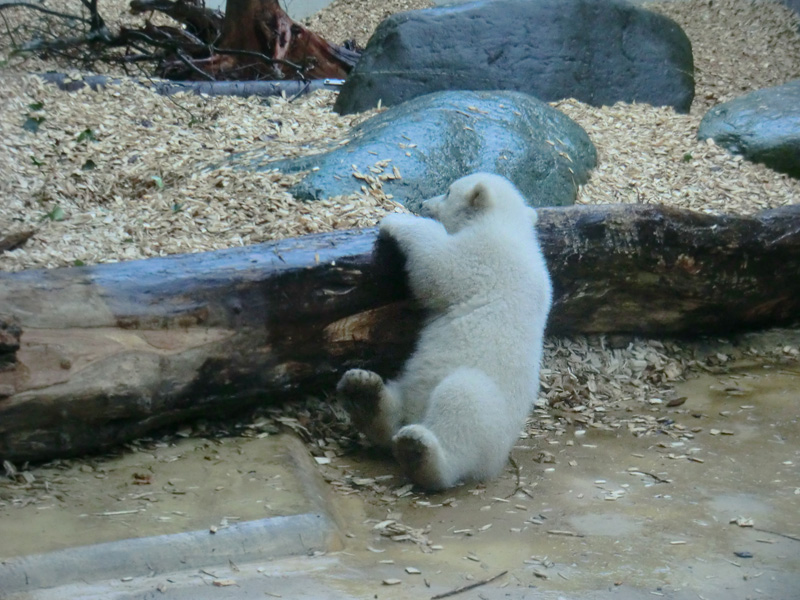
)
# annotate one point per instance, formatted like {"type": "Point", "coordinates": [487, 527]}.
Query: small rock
{"type": "Point", "coordinates": [763, 126]}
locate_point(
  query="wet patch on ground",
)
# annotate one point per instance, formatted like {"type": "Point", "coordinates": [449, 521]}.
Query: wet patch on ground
{"type": "Point", "coordinates": [709, 511]}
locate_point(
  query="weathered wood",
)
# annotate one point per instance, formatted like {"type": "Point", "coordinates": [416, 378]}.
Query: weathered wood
{"type": "Point", "coordinates": [93, 356]}
{"type": "Point", "coordinates": [166, 87]}
{"type": "Point", "coordinates": [256, 40]}
{"type": "Point", "coordinates": [202, 22]}
{"type": "Point", "coordinates": [655, 270]}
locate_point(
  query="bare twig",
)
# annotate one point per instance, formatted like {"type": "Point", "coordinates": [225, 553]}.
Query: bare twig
{"type": "Point", "coordinates": [786, 535]}
{"type": "Point", "coordinates": [565, 533]}
{"type": "Point", "coordinates": [57, 44]}
{"type": "Point", "coordinates": [96, 21]}
{"type": "Point", "coordinates": [188, 62]}
{"type": "Point", "coordinates": [518, 470]}
{"type": "Point", "coordinates": [301, 92]}
{"type": "Point", "coordinates": [264, 57]}
{"type": "Point", "coordinates": [655, 477]}
{"type": "Point", "coordinates": [468, 587]}
{"type": "Point", "coordinates": [170, 98]}
{"type": "Point", "coordinates": [8, 31]}
{"type": "Point", "coordinates": [134, 58]}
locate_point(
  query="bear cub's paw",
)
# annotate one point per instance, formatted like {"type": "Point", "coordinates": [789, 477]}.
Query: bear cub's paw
{"type": "Point", "coordinates": [396, 221]}
{"type": "Point", "coordinates": [397, 226]}
{"type": "Point", "coordinates": [360, 382]}
{"type": "Point", "coordinates": [417, 450]}
{"type": "Point", "coordinates": [360, 392]}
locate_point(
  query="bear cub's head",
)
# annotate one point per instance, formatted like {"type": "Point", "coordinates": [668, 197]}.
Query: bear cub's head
{"type": "Point", "coordinates": [477, 197]}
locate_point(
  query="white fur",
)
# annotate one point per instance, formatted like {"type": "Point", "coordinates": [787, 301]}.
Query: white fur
{"type": "Point", "coordinates": [459, 404]}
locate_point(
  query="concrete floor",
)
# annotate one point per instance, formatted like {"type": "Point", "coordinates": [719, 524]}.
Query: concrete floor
{"type": "Point", "coordinates": [614, 516]}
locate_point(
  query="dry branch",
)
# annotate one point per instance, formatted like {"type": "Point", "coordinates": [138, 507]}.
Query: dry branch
{"type": "Point", "coordinates": [201, 21]}
{"type": "Point", "coordinates": [253, 40]}
{"type": "Point", "coordinates": [469, 586]}
{"type": "Point", "coordinates": [93, 356]}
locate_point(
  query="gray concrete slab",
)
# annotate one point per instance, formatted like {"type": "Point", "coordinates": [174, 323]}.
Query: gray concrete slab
{"type": "Point", "coordinates": [181, 552]}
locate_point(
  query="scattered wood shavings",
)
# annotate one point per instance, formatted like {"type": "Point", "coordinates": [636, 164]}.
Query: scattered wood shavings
{"type": "Point", "coordinates": [564, 533]}
{"type": "Point", "coordinates": [346, 20]}
{"type": "Point", "coordinates": [117, 174]}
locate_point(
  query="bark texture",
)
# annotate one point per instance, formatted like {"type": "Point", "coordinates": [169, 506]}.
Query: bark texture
{"type": "Point", "coordinates": [93, 356]}
{"type": "Point", "coordinates": [256, 40]}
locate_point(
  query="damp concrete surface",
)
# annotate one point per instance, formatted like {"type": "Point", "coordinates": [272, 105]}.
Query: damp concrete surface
{"type": "Point", "coordinates": [714, 517]}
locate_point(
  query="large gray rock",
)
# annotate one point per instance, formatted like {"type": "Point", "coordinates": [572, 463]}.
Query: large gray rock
{"type": "Point", "coordinates": [435, 139]}
{"type": "Point", "coordinates": [763, 126]}
{"type": "Point", "coordinates": [598, 51]}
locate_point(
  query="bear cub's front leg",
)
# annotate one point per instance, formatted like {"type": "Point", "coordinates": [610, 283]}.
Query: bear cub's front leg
{"type": "Point", "coordinates": [412, 233]}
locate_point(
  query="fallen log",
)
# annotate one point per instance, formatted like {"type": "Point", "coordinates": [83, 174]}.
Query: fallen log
{"type": "Point", "coordinates": [93, 356]}
{"type": "Point", "coordinates": [242, 89]}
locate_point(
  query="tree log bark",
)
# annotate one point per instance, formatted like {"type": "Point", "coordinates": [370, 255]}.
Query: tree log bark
{"type": "Point", "coordinates": [258, 40]}
{"type": "Point", "coordinates": [254, 40]}
{"type": "Point", "coordinates": [93, 356]}
{"type": "Point", "coordinates": [200, 21]}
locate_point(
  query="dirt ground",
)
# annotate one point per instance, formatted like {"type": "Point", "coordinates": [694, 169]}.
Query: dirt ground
{"type": "Point", "coordinates": [706, 506]}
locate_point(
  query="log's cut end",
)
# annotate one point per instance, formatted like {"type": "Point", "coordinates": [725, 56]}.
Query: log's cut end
{"type": "Point", "coordinates": [71, 391]}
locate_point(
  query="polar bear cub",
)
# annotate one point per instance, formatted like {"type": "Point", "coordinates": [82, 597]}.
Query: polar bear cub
{"type": "Point", "coordinates": [461, 400]}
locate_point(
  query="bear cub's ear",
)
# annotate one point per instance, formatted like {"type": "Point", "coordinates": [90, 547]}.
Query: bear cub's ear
{"type": "Point", "coordinates": [479, 198]}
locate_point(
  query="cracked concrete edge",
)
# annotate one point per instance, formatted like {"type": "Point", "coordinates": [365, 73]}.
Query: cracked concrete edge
{"type": "Point", "coordinates": [249, 541]}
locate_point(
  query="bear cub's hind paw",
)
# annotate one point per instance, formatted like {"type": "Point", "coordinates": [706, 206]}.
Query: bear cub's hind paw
{"type": "Point", "coordinates": [419, 453]}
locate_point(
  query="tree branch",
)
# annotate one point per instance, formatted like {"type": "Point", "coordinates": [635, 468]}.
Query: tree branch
{"type": "Point", "coordinates": [189, 63]}
{"type": "Point", "coordinates": [259, 55]}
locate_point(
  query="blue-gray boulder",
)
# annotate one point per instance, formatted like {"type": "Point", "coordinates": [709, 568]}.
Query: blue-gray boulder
{"type": "Point", "coordinates": [763, 126]}
{"type": "Point", "coordinates": [597, 51]}
{"type": "Point", "coordinates": [435, 139]}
